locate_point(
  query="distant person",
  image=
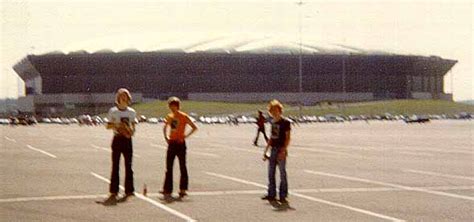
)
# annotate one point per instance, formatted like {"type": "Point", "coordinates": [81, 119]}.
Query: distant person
{"type": "Point", "coordinates": [280, 138]}
{"type": "Point", "coordinates": [177, 122]}
{"type": "Point", "coordinates": [261, 128]}
{"type": "Point", "coordinates": [122, 120]}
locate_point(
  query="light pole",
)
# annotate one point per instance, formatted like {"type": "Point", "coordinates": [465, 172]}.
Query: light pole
{"type": "Point", "coordinates": [300, 58]}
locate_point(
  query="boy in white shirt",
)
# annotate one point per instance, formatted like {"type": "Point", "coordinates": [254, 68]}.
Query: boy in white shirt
{"type": "Point", "coordinates": [122, 120]}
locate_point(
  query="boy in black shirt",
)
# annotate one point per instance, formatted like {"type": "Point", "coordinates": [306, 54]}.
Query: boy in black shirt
{"type": "Point", "coordinates": [279, 141]}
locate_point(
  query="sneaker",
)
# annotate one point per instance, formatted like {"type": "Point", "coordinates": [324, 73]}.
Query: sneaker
{"type": "Point", "coordinates": [266, 197]}
{"type": "Point", "coordinates": [125, 197]}
{"type": "Point", "coordinates": [167, 198]}
{"type": "Point", "coordinates": [111, 200]}
{"type": "Point", "coordinates": [182, 194]}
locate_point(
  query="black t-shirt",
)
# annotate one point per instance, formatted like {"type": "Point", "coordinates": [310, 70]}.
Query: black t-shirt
{"type": "Point", "coordinates": [261, 122]}
{"type": "Point", "coordinates": [279, 130]}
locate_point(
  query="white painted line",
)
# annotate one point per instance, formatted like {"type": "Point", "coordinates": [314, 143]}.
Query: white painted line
{"type": "Point", "coordinates": [439, 174]}
{"type": "Point", "coordinates": [348, 207]}
{"type": "Point", "coordinates": [163, 147]}
{"type": "Point", "coordinates": [29, 199]}
{"type": "Point", "coordinates": [378, 189]}
{"type": "Point", "coordinates": [416, 154]}
{"type": "Point", "coordinates": [235, 192]}
{"type": "Point", "coordinates": [10, 139]}
{"type": "Point", "coordinates": [449, 188]}
{"type": "Point", "coordinates": [423, 190]}
{"type": "Point", "coordinates": [110, 150]}
{"type": "Point", "coordinates": [346, 146]}
{"type": "Point", "coordinates": [237, 180]}
{"type": "Point", "coordinates": [344, 190]}
{"type": "Point", "coordinates": [439, 150]}
{"type": "Point", "coordinates": [204, 154]}
{"type": "Point", "coordinates": [59, 139]}
{"type": "Point", "coordinates": [322, 190]}
{"type": "Point", "coordinates": [41, 151]}
{"type": "Point", "coordinates": [235, 148]}
{"type": "Point", "coordinates": [215, 193]}
{"type": "Point", "coordinates": [330, 152]}
{"type": "Point", "coordinates": [310, 198]}
{"type": "Point", "coordinates": [101, 148]}
{"type": "Point", "coordinates": [155, 203]}
{"type": "Point", "coordinates": [247, 150]}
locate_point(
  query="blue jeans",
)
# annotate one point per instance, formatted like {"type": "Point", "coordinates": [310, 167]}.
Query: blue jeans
{"type": "Point", "coordinates": [273, 162]}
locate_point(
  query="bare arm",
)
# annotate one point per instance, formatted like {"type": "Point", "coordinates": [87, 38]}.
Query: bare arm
{"type": "Point", "coordinates": [132, 128]}
{"type": "Point", "coordinates": [110, 126]}
{"type": "Point", "coordinates": [193, 127]}
{"type": "Point", "coordinates": [287, 141]}
{"type": "Point", "coordinates": [165, 131]}
{"type": "Point", "coordinates": [269, 144]}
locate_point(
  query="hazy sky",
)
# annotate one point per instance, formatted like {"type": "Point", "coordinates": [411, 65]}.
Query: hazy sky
{"type": "Point", "coordinates": [442, 28]}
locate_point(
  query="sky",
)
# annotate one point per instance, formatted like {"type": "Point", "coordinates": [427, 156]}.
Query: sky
{"type": "Point", "coordinates": [441, 28]}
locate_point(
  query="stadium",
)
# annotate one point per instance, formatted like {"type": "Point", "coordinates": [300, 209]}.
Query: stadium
{"type": "Point", "coordinates": [237, 70]}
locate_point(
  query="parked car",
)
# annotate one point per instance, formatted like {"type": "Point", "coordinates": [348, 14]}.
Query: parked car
{"type": "Point", "coordinates": [4, 121]}
{"type": "Point", "coordinates": [417, 119]}
{"type": "Point", "coordinates": [152, 120]}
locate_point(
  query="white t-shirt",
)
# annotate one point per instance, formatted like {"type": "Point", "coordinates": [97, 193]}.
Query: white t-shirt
{"type": "Point", "coordinates": [118, 116]}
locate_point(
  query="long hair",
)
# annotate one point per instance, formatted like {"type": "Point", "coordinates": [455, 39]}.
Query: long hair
{"type": "Point", "coordinates": [275, 104]}
{"type": "Point", "coordinates": [120, 92]}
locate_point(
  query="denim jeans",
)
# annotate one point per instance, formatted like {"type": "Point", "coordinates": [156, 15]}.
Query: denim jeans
{"type": "Point", "coordinates": [272, 164]}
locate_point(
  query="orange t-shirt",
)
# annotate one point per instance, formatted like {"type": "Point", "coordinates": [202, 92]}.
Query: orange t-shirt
{"type": "Point", "coordinates": [177, 124]}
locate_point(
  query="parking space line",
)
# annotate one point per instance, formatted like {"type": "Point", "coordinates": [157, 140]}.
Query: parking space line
{"type": "Point", "coordinates": [220, 146]}
{"type": "Point", "coordinates": [235, 192]}
{"type": "Point", "coordinates": [41, 151]}
{"type": "Point", "coordinates": [109, 150]}
{"type": "Point", "coordinates": [310, 198]}
{"type": "Point", "coordinates": [28, 199]}
{"type": "Point", "coordinates": [215, 145]}
{"type": "Point", "coordinates": [10, 139]}
{"type": "Point", "coordinates": [423, 190]}
{"type": "Point", "coordinates": [439, 174]}
{"type": "Point", "coordinates": [204, 154]}
{"type": "Point", "coordinates": [153, 202]}
{"type": "Point", "coordinates": [190, 152]}
{"type": "Point", "coordinates": [416, 154]}
{"type": "Point", "coordinates": [59, 139]}
{"type": "Point", "coordinates": [351, 147]}
{"type": "Point", "coordinates": [100, 148]}
{"type": "Point", "coordinates": [438, 150]}
{"type": "Point", "coordinates": [329, 152]}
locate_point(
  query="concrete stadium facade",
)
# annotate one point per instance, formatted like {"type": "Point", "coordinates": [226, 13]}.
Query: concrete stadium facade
{"type": "Point", "coordinates": [241, 71]}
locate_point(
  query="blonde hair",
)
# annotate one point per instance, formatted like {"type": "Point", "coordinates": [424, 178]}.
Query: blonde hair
{"type": "Point", "coordinates": [123, 91]}
{"type": "Point", "coordinates": [275, 104]}
{"type": "Point", "coordinates": [174, 100]}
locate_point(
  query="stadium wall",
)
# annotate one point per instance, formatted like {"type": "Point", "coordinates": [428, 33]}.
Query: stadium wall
{"type": "Point", "coordinates": [306, 98]}
{"type": "Point", "coordinates": [70, 104]}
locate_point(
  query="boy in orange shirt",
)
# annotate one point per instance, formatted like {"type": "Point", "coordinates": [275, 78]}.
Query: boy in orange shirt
{"type": "Point", "coordinates": [176, 121]}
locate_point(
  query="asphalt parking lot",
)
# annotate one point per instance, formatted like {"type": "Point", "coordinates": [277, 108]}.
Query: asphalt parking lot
{"type": "Point", "coordinates": [376, 171]}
